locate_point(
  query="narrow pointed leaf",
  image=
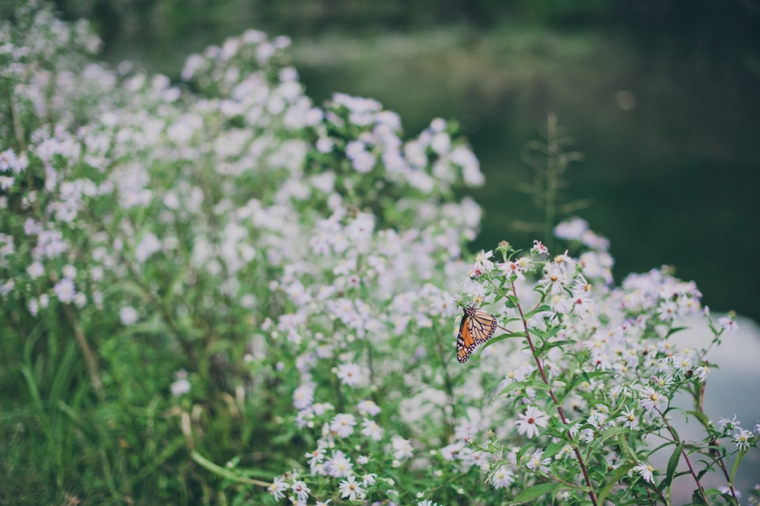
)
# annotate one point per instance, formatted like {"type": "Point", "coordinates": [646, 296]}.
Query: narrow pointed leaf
{"type": "Point", "coordinates": [672, 465]}
{"type": "Point", "coordinates": [535, 492]}
{"type": "Point", "coordinates": [616, 476]}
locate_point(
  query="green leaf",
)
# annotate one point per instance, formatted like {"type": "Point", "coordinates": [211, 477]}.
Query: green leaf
{"type": "Point", "coordinates": [512, 387]}
{"type": "Point", "coordinates": [540, 309]}
{"type": "Point", "coordinates": [696, 497]}
{"type": "Point", "coordinates": [672, 465]}
{"type": "Point", "coordinates": [516, 385]}
{"type": "Point", "coordinates": [536, 491]}
{"type": "Point", "coordinates": [735, 467]}
{"type": "Point", "coordinates": [616, 476]}
{"type": "Point", "coordinates": [501, 338]}
{"type": "Point", "coordinates": [552, 449]}
{"type": "Point", "coordinates": [700, 416]}
{"type": "Point", "coordinates": [674, 330]}
{"type": "Point", "coordinates": [626, 450]}
{"type": "Point", "coordinates": [614, 431]}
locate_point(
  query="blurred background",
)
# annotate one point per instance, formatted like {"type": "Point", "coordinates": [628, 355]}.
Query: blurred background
{"type": "Point", "coordinates": [660, 96]}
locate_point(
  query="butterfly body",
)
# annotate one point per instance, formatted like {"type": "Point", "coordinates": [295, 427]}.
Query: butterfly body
{"type": "Point", "coordinates": [476, 328]}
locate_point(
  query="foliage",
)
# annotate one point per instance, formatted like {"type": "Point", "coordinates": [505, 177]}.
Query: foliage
{"type": "Point", "coordinates": [215, 292]}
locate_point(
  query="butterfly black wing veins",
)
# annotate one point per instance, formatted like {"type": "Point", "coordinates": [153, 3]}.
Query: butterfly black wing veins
{"type": "Point", "coordinates": [476, 328]}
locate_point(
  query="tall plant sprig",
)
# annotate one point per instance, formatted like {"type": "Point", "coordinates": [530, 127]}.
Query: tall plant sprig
{"type": "Point", "coordinates": [549, 159]}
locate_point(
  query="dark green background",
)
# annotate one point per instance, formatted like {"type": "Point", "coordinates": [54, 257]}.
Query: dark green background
{"type": "Point", "coordinates": [673, 180]}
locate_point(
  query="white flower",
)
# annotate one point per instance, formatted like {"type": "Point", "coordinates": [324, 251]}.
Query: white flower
{"type": "Point", "coordinates": [427, 503]}
{"type": "Point", "coordinates": [338, 466]}
{"type": "Point", "coordinates": [303, 396]}
{"type": "Point", "coordinates": [180, 387]}
{"type": "Point", "coordinates": [402, 448]}
{"type": "Point", "coordinates": [65, 290]}
{"type": "Point", "coordinates": [512, 268]}
{"type": "Point", "coordinates": [539, 248]}
{"type": "Point", "coordinates": [502, 478]}
{"type": "Point", "coordinates": [728, 423]}
{"type": "Point", "coordinates": [372, 430]}
{"type": "Point", "coordinates": [278, 488]}
{"type": "Point", "coordinates": [128, 315]}
{"type": "Point", "coordinates": [343, 425]}
{"type": "Point", "coordinates": [537, 464]}
{"type": "Point", "coordinates": [531, 420]}
{"type": "Point", "coordinates": [350, 490]}
{"type": "Point", "coordinates": [69, 271]}
{"type": "Point", "coordinates": [728, 324]}
{"type": "Point", "coordinates": [349, 374]}
{"type": "Point", "coordinates": [35, 270]}
{"type": "Point", "coordinates": [6, 182]}
{"type": "Point", "coordinates": [629, 419]}
{"type": "Point", "coordinates": [650, 399]}
{"type": "Point", "coordinates": [645, 471]}
{"type": "Point", "coordinates": [147, 247]}
{"type": "Point", "coordinates": [315, 457]}
{"type": "Point", "coordinates": [519, 374]}
{"type": "Point", "coordinates": [451, 451]}
{"type": "Point", "coordinates": [368, 407]}
{"type": "Point", "coordinates": [572, 229]}
{"type": "Point", "coordinates": [667, 310]}
{"type": "Point", "coordinates": [741, 438]}
{"type": "Point", "coordinates": [300, 489]}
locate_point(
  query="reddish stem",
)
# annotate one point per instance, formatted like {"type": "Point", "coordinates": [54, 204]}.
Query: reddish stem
{"type": "Point", "coordinates": [685, 456]}
{"type": "Point", "coordinates": [591, 492]}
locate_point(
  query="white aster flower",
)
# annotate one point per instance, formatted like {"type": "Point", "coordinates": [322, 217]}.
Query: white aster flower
{"type": "Point", "coordinates": [338, 466]}
{"type": "Point", "coordinates": [303, 396]}
{"type": "Point", "coordinates": [350, 489]}
{"type": "Point", "coordinates": [65, 290]}
{"type": "Point", "coordinates": [741, 438]}
{"type": "Point", "coordinates": [35, 270]}
{"type": "Point", "coordinates": [728, 423]}
{"type": "Point", "coordinates": [645, 471]}
{"type": "Point", "coordinates": [728, 324]}
{"type": "Point", "coordinates": [629, 419]}
{"type": "Point", "coordinates": [278, 488]}
{"type": "Point", "coordinates": [128, 315]}
{"type": "Point", "coordinates": [531, 420]}
{"type": "Point", "coordinates": [402, 448]}
{"type": "Point", "coordinates": [349, 374]}
{"type": "Point", "coordinates": [372, 430]}
{"type": "Point", "coordinates": [537, 464]}
{"type": "Point", "coordinates": [368, 407]}
{"type": "Point", "coordinates": [502, 478]}
{"type": "Point", "coordinates": [301, 490]}
{"type": "Point", "coordinates": [343, 424]}
{"type": "Point", "coordinates": [650, 399]}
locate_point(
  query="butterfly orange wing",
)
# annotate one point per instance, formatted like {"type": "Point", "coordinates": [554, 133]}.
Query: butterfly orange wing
{"type": "Point", "coordinates": [476, 328]}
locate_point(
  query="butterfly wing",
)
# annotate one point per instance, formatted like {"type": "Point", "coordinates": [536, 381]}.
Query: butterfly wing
{"type": "Point", "coordinates": [465, 342]}
{"type": "Point", "coordinates": [482, 326]}
{"type": "Point", "coordinates": [477, 327]}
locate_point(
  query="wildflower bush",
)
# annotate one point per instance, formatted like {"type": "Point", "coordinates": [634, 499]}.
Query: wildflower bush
{"type": "Point", "coordinates": [216, 292]}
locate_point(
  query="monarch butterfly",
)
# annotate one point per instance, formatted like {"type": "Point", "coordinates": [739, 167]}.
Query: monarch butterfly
{"type": "Point", "coordinates": [476, 328]}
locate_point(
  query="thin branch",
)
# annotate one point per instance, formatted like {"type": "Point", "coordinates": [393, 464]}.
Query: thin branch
{"type": "Point", "coordinates": [591, 493]}
{"type": "Point", "coordinates": [685, 456]}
